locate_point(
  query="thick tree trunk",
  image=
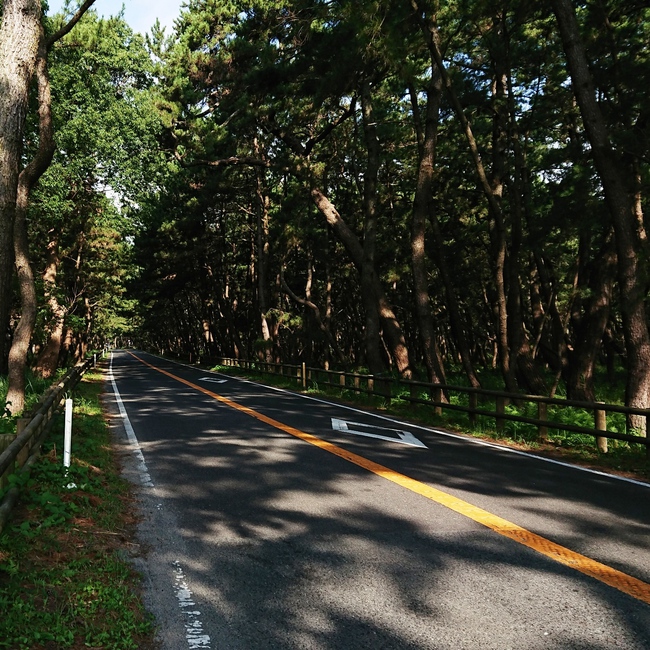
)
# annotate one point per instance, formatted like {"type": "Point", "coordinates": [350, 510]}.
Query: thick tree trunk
{"type": "Point", "coordinates": [391, 328]}
{"type": "Point", "coordinates": [48, 359]}
{"type": "Point", "coordinates": [422, 209]}
{"type": "Point", "coordinates": [372, 329]}
{"type": "Point", "coordinates": [590, 326]}
{"type": "Point", "coordinates": [23, 333]}
{"type": "Point", "coordinates": [26, 181]}
{"type": "Point", "coordinates": [19, 40]}
{"type": "Point", "coordinates": [23, 51]}
{"type": "Point", "coordinates": [492, 189]}
{"type": "Point", "coordinates": [623, 211]}
{"type": "Point", "coordinates": [263, 256]}
{"type": "Point", "coordinates": [233, 341]}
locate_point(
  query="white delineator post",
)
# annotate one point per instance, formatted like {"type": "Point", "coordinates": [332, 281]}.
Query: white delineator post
{"type": "Point", "coordinates": [67, 435]}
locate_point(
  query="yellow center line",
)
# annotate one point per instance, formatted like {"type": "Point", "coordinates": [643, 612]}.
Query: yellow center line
{"type": "Point", "coordinates": [606, 574]}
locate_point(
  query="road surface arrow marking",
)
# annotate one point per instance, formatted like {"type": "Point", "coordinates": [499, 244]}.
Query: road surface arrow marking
{"type": "Point", "coordinates": [403, 437]}
{"type": "Point", "coordinates": [625, 583]}
{"type": "Point", "coordinates": [213, 380]}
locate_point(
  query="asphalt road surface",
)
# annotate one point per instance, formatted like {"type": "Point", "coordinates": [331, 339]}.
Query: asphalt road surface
{"type": "Point", "coordinates": [275, 520]}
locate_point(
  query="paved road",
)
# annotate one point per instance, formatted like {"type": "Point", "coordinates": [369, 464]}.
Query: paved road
{"type": "Point", "coordinates": [273, 520]}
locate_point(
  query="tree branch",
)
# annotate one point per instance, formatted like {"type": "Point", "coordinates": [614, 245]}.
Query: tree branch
{"type": "Point", "coordinates": [66, 28]}
{"type": "Point", "coordinates": [222, 162]}
{"type": "Point", "coordinates": [316, 311]}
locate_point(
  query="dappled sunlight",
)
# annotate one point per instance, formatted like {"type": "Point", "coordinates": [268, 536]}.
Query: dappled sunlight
{"type": "Point", "coordinates": [320, 553]}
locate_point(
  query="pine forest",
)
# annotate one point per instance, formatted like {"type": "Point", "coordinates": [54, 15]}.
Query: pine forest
{"type": "Point", "coordinates": [454, 192]}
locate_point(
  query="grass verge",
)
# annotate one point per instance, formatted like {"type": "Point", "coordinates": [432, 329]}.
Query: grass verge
{"type": "Point", "coordinates": [622, 458]}
{"type": "Point", "coordinates": [65, 577]}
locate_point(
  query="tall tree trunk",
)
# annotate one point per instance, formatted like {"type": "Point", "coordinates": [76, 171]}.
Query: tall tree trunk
{"type": "Point", "coordinates": [233, 343]}
{"type": "Point", "coordinates": [455, 318]}
{"type": "Point", "coordinates": [623, 211]}
{"type": "Point", "coordinates": [370, 201]}
{"type": "Point", "coordinates": [506, 127]}
{"type": "Point", "coordinates": [26, 181]}
{"type": "Point", "coordinates": [23, 332]}
{"type": "Point", "coordinates": [329, 306]}
{"type": "Point", "coordinates": [392, 331]}
{"type": "Point", "coordinates": [263, 255]}
{"type": "Point", "coordinates": [492, 189]}
{"type": "Point", "coordinates": [422, 208]}
{"type": "Point", "coordinates": [48, 359]}
{"type": "Point", "coordinates": [19, 40]}
{"type": "Point", "coordinates": [589, 326]}
{"type": "Point", "coordinates": [427, 136]}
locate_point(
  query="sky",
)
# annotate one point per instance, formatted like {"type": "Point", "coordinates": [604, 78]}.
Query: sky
{"type": "Point", "coordinates": [140, 14]}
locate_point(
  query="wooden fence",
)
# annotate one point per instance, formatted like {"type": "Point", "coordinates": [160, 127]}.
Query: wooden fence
{"type": "Point", "coordinates": [475, 402]}
{"type": "Point", "coordinates": [19, 451]}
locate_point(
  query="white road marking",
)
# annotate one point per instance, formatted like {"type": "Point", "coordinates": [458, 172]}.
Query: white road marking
{"type": "Point", "coordinates": [145, 479]}
{"type": "Point", "coordinates": [193, 626]}
{"type": "Point", "coordinates": [403, 437]}
{"type": "Point", "coordinates": [196, 640]}
{"type": "Point", "coordinates": [440, 432]}
{"type": "Point", "coordinates": [213, 380]}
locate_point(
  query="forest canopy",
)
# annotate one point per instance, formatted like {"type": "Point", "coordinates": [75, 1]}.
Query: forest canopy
{"type": "Point", "coordinates": [435, 190]}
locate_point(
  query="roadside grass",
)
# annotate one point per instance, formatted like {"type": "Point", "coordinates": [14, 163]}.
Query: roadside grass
{"type": "Point", "coordinates": [65, 577]}
{"type": "Point", "coordinates": [622, 458]}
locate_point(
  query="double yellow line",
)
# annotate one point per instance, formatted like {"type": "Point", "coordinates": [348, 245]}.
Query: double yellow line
{"type": "Point", "coordinates": [612, 577]}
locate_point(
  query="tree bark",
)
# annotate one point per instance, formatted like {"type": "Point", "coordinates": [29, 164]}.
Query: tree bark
{"type": "Point", "coordinates": [19, 41]}
{"type": "Point", "coordinates": [47, 361]}
{"type": "Point", "coordinates": [372, 330]}
{"type": "Point", "coordinates": [492, 189]}
{"type": "Point", "coordinates": [391, 328]}
{"type": "Point", "coordinates": [620, 203]}
{"type": "Point", "coordinates": [26, 181]}
{"type": "Point", "coordinates": [422, 209]}
{"type": "Point", "coordinates": [263, 254]}
{"type": "Point", "coordinates": [589, 327]}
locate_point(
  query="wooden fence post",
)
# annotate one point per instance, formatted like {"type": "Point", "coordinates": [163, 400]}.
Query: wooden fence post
{"type": "Point", "coordinates": [386, 390]}
{"type": "Point", "coordinates": [23, 454]}
{"type": "Point", "coordinates": [437, 397]}
{"type": "Point", "coordinates": [600, 421]}
{"type": "Point", "coordinates": [501, 409]}
{"type": "Point", "coordinates": [473, 403]}
{"type": "Point", "coordinates": [542, 415]}
{"type": "Point", "coordinates": [342, 380]}
{"type": "Point", "coordinates": [304, 375]}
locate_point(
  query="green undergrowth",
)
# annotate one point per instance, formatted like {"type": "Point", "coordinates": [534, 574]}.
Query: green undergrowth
{"type": "Point", "coordinates": [65, 578]}
{"type": "Point", "coordinates": [621, 457]}
{"type": "Point", "coordinates": [35, 386]}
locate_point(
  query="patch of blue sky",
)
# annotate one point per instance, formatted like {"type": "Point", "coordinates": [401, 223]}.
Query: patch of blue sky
{"type": "Point", "coordinates": [139, 14]}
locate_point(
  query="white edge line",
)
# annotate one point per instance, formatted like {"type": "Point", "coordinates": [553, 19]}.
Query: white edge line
{"type": "Point", "coordinates": [145, 478]}
{"type": "Point", "coordinates": [440, 432]}
{"type": "Point", "coordinates": [194, 634]}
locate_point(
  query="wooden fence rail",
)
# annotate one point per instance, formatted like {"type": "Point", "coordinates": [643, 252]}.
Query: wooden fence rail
{"type": "Point", "coordinates": [441, 397]}
{"type": "Point", "coordinates": [19, 451]}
